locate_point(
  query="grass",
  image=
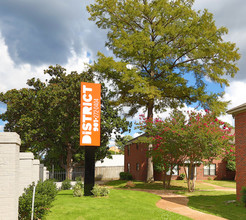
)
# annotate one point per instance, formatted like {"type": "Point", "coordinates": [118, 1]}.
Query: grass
{"type": "Point", "coordinates": [157, 185]}
{"type": "Point", "coordinates": [223, 183]}
{"type": "Point", "coordinates": [120, 205]}
{"type": "Point", "coordinates": [215, 202]}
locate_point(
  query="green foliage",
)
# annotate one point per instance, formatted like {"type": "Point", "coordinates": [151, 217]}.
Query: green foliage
{"type": "Point", "coordinates": [181, 176]}
{"type": "Point", "coordinates": [243, 195]}
{"type": "Point", "coordinates": [231, 165]}
{"type": "Point", "coordinates": [78, 190]}
{"type": "Point", "coordinates": [158, 44]}
{"type": "Point", "coordinates": [66, 184]}
{"type": "Point", "coordinates": [192, 136]}
{"type": "Point", "coordinates": [44, 195]}
{"type": "Point", "coordinates": [47, 116]}
{"type": "Point", "coordinates": [125, 176]}
{"type": "Point", "coordinates": [98, 191]}
{"type": "Point", "coordinates": [79, 182]}
{"type": "Point", "coordinates": [121, 142]}
{"type": "Point", "coordinates": [78, 178]}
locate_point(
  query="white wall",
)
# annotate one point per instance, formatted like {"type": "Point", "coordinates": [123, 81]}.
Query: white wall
{"type": "Point", "coordinates": [9, 175]}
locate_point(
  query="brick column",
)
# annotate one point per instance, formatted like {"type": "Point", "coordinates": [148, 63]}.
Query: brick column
{"type": "Point", "coordinates": [35, 173]}
{"type": "Point", "coordinates": [9, 175]}
{"type": "Point", "coordinates": [239, 113]}
{"type": "Point", "coordinates": [26, 170]}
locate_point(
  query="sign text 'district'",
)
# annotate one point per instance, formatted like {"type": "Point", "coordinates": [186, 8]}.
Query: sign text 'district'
{"type": "Point", "coordinates": [90, 108]}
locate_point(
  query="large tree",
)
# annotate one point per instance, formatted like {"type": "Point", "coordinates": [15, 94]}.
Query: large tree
{"type": "Point", "coordinates": [159, 45]}
{"type": "Point", "coordinates": [47, 115]}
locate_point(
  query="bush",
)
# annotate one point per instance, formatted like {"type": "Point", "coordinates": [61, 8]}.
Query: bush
{"type": "Point", "coordinates": [243, 195]}
{"type": "Point", "coordinates": [99, 191]}
{"type": "Point", "coordinates": [181, 176]}
{"type": "Point", "coordinates": [66, 184]}
{"type": "Point", "coordinates": [125, 176]}
{"type": "Point", "coordinates": [78, 178]}
{"type": "Point", "coordinates": [45, 194]}
{"type": "Point", "coordinates": [78, 190]}
{"type": "Point", "coordinates": [231, 165]}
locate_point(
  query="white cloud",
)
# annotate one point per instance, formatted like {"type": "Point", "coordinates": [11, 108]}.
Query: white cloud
{"type": "Point", "coordinates": [15, 76]}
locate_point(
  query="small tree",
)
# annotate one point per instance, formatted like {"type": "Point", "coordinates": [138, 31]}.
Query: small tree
{"type": "Point", "coordinates": [192, 137]}
{"type": "Point", "coordinates": [121, 142]}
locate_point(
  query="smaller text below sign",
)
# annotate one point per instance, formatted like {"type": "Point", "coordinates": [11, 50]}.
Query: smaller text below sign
{"type": "Point", "coordinates": [90, 114]}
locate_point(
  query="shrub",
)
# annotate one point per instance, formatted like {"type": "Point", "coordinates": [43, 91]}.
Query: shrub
{"type": "Point", "coordinates": [79, 182]}
{"type": "Point", "coordinates": [243, 195]}
{"type": "Point", "coordinates": [45, 193]}
{"type": "Point", "coordinates": [125, 176]}
{"type": "Point", "coordinates": [231, 165]}
{"type": "Point", "coordinates": [78, 190]}
{"type": "Point", "coordinates": [66, 184]}
{"type": "Point", "coordinates": [99, 191]}
{"type": "Point", "coordinates": [181, 176]}
{"type": "Point", "coordinates": [78, 178]}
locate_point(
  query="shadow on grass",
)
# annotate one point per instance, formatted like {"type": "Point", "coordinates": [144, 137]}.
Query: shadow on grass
{"type": "Point", "coordinates": [143, 185]}
{"type": "Point", "coordinates": [221, 205]}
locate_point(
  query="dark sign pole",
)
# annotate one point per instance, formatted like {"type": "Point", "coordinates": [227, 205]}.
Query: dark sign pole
{"type": "Point", "coordinates": [89, 180]}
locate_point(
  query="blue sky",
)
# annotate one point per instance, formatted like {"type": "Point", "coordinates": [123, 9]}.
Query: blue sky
{"type": "Point", "coordinates": [36, 34]}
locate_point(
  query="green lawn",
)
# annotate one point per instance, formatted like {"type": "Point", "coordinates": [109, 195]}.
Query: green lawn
{"type": "Point", "coordinates": [215, 202]}
{"type": "Point", "coordinates": [120, 204]}
{"type": "Point", "coordinates": [223, 183]}
{"type": "Point", "coordinates": [175, 185]}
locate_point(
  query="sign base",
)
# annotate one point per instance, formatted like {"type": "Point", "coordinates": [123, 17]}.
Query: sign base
{"type": "Point", "coordinates": [89, 180]}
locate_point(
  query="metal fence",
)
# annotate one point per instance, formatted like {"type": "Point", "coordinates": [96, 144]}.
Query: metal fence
{"type": "Point", "coordinates": [60, 176]}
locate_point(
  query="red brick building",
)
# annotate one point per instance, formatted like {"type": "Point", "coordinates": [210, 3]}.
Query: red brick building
{"type": "Point", "coordinates": [239, 114]}
{"type": "Point", "coordinates": [136, 164]}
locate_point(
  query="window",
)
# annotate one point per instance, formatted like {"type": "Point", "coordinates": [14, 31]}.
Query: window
{"type": "Point", "coordinates": [209, 169]}
{"type": "Point", "coordinates": [137, 146]}
{"type": "Point", "coordinates": [137, 167]}
{"type": "Point", "coordinates": [128, 167]}
{"type": "Point", "coordinates": [128, 150]}
{"type": "Point", "coordinates": [175, 171]}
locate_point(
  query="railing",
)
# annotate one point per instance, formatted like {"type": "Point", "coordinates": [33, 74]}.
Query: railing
{"type": "Point", "coordinates": [60, 176]}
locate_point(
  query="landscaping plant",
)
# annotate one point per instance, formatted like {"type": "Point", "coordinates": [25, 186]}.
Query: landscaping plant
{"type": "Point", "coordinates": [66, 184]}
{"type": "Point", "coordinates": [44, 195]}
{"type": "Point", "coordinates": [78, 190]}
{"type": "Point", "coordinates": [187, 136]}
{"type": "Point", "coordinates": [98, 191]}
{"type": "Point", "coordinates": [243, 195]}
{"type": "Point", "coordinates": [125, 176]}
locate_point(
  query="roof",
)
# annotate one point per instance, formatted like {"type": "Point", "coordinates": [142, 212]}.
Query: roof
{"type": "Point", "coordinates": [237, 110]}
{"type": "Point", "coordinates": [134, 139]}
{"type": "Point", "coordinates": [116, 161]}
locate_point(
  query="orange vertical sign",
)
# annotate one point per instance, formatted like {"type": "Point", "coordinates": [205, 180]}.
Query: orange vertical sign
{"type": "Point", "coordinates": [90, 108]}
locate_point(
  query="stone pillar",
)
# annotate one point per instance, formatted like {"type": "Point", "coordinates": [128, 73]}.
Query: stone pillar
{"type": "Point", "coordinates": [239, 113]}
{"type": "Point", "coordinates": [41, 172]}
{"type": "Point", "coordinates": [35, 173]}
{"type": "Point", "coordinates": [9, 178]}
{"type": "Point", "coordinates": [26, 170]}
{"type": "Point", "coordinates": [44, 173]}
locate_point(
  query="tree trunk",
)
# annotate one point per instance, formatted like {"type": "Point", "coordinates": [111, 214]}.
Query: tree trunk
{"type": "Point", "coordinates": [69, 167]}
{"type": "Point", "coordinates": [150, 169]}
{"type": "Point", "coordinates": [170, 177]}
{"type": "Point", "coordinates": [164, 179]}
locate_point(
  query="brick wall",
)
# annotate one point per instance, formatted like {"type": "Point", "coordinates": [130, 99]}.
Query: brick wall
{"type": "Point", "coordinates": [135, 153]}
{"type": "Point", "coordinates": [240, 140]}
